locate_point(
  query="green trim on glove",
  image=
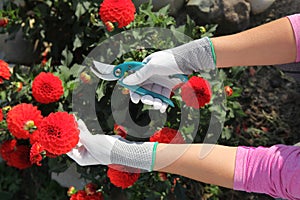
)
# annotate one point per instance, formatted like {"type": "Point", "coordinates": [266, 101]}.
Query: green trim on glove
{"type": "Point", "coordinates": [153, 156]}
{"type": "Point", "coordinates": [213, 51]}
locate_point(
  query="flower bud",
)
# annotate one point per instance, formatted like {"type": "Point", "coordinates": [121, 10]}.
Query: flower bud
{"type": "Point", "coordinates": [125, 91]}
{"type": "Point", "coordinates": [85, 77]}
{"type": "Point", "coordinates": [6, 108]}
{"type": "Point", "coordinates": [71, 191]}
{"type": "Point", "coordinates": [120, 130]}
{"type": "Point", "coordinates": [228, 90]}
{"type": "Point", "coordinates": [202, 29]}
{"type": "Point", "coordinates": [109, 26]}
{"type": "Point", "coordinates": [90, 188]}
{"type": "Point", "coordinates": [162, 176]}
{"type": "Point", "coordinates": [29, 126]}
{"type": "Point", "coordinates": [18, 86]}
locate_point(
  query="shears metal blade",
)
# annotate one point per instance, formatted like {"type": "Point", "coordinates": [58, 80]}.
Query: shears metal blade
{"type": "Point", "coordinates": [103, 71]}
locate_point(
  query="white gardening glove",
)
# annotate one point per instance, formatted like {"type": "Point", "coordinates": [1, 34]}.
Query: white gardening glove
{"type": "Point", "coordinates": [105, 150]}
{"type": "Point", "coordinates": [92, 147]}
{"type": "Point", "coordinates": [160, 66]}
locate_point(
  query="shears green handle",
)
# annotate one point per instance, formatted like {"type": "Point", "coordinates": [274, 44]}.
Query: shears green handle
{"type": "Point", "coordinates": [132, 66]}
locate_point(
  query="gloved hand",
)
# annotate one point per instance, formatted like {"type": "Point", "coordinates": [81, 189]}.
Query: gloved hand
{"type": "Point", "coordinates": [104, 149]}
{"type": "Point", "coordinates": [160, 66]}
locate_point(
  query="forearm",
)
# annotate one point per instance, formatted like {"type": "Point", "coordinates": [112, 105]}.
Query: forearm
{"type": "Point", "coordinates": [217, 167]}
{"type": "Point", "coordinates": [268, 44]}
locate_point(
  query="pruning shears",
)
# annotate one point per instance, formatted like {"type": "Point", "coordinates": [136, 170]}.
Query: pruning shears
{"type": "Point", "coordinates": [118, 72]}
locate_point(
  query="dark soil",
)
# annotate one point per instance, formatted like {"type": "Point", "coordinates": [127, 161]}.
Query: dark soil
{"type": "Point", "coordinates": [276, 91]}
{"type": "Point", "coordinates": [279, 8]}
{"type": "Point", "coordinates": [270, 99]}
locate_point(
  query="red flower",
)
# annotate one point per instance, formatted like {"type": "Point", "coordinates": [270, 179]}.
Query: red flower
{"type": "Point", "coordinates": [122, 176]}
{"type": "Point", "coordinates": [34, 137]}
{"type": "Point", "coordinates": [23, 119]}
{"type": "Point", "coordinates": [79, 195]}
{"type": "Point", "coordinates": [3, 22]}
{"type": "Point", "coordinates": [15, 155]}
{"type": "Point", "coordinates": [120, 130]}
{"type": "Point", "coordinates": [96, 196]}
{"type": "Point", "coordinates": [1, 115]}
{"type": "Point", "coordinates": [120, 11]}
{"type": "Point", "coordinates": [35, 154]}
{"type": "Point", "coordinates": [82, 195]}
{"type": "Point", "coordinates": [58, 133]}
{"type": "Point", "coordinates": [47, 88]}
{"type": "Point", "coordinates": [7, 148]}
{"type": "Point", "coordinates": [196, 92]}
{"type": "Point", "coordinates": [4, 71]}
{"type": "Point", "coordinates": [228, 90]}
{"type": "Point", "coordinates": [167, 135]}
{"type": "Point", "coordinates": [20, 157]}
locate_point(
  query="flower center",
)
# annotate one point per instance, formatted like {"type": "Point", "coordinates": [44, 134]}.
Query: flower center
{"type": "Point", "coordinates": [47, 88]}
{"type": "Point", "coordinates": [54, 131]}
{"type": "Point", "coordinates": [29, 126]}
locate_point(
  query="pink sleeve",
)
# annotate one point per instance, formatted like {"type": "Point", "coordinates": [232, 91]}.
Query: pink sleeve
{"type": "Point", "coordinates": [274, 171]}
{"type": "Point", "coordinates": [295, 21]}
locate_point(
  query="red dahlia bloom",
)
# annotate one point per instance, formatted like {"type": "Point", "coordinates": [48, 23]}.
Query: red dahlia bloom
{"type": "Point", "coordinates": [122, 176]}
{"type": "Point", "coordinates": [7, 148]}
{"type": "Point", "coordinates": [1, 115]}
{"type": "Point", "coordinates": [23, 119]}
{"type": "Point", "coordinates": [20, 157]}
{"type": "Point", "coordinates": [79, 195]}
{"type": "Point", "coordinates": [4, 71]}
{"type": "Point", "coordinates": [167, 135]}
{"type": "Point", "coordinates": [196, 92]}
{"type": "Point", "coordinates": [58, 133]}
{"type": "Point", "coordinates": [15, 155]}
{"type": "Point", "coordinates": [82, 195]}
{"type": "Point", "coordinates": [47, 88]}
{"type": "Point", "coordinates": [35, 154]}
{"type": "Point", "coordinates": [119, 11]}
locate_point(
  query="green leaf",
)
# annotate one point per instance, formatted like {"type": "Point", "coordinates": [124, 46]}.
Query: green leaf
{"type": "Point", "coordinates": [100, 92]}
{"type": "Point", "coordinates": [64, 72]}
{"type": "Point", "coordinates": [67, 57]}
{"type": "Point", "coordinates": [226, 134]}
{"type": "Point", "coordinates": [82, 8]}
{"type": "Point", "coordinates": [76, 69]}
{"type": "Point", "coordinates": [71, 85]}
{"type": "Point", "coordinates": [20, 77]}
{"type": "Point", "coordinates": [77, 43]}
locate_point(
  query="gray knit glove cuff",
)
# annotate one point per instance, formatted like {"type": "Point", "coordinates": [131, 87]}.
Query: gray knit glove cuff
{"type": "Point", "coordinates": [195, 56]}
{"type": "Point", "coordinates": [139, 155]}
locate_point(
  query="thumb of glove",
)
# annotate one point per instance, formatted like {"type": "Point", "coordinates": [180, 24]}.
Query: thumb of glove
{"type": "Point", "coordinates": [139, 76]}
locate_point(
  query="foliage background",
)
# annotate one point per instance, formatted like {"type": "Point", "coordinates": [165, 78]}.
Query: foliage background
{"type": "Point", "coordinates": [64, 32]}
